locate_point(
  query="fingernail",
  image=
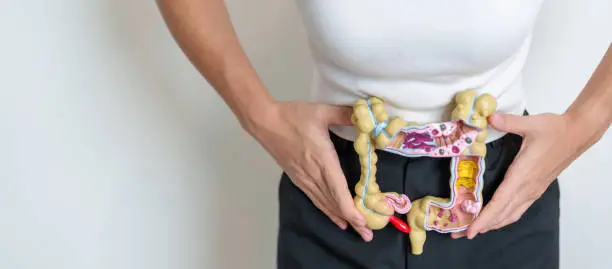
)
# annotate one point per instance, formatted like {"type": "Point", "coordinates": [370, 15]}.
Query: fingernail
{"type": "Point", "coordinates": [367, 235]}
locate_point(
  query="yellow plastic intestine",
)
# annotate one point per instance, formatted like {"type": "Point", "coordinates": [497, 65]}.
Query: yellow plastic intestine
{"type": "Point", "coordinates": [475, 110]}
{"type": "Point", "coordinates": [369, 200]}
{"type": "Point", "coordinates": [416, 221]}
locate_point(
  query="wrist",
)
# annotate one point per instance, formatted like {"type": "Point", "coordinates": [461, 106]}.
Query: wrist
{"type": "Point", "coordinates": [587, 124]}
{"type": "Point", "coordinates": [255, 116]}
{"type": "Point", "coordinates": [248, 99]}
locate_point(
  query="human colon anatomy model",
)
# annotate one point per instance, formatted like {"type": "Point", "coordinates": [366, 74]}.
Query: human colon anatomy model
{"type": "Point", "coordinates": [462, 139]}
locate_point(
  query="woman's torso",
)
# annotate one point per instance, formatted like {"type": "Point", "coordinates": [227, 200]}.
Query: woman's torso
{"type": "Point", "coordinates": [417, 54]}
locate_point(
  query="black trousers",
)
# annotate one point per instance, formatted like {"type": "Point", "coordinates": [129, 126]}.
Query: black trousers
{"type": "Point", "coordinates": [307, 239]}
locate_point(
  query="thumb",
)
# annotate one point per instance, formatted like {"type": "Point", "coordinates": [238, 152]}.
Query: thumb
{"type": "Point", "coordinates": [510, 123]}
{"type": "Point", "coordinates": [338, 115]}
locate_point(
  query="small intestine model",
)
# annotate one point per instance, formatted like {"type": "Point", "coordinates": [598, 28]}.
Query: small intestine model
{"type": "Point", "coordinates": [462, 139]}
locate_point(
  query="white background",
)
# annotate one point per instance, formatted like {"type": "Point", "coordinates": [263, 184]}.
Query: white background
{"type": "Point", "coordinates": [115, 153]}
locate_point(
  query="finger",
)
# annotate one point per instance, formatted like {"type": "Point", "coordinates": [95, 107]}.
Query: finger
{"type": "Point", "coordinates": [330, 205]}
{"type": "Point", "coordinates": [317, 201]}
{"type": "Point", "coordinates": [458, 235]}
{"type": "Point", "coordinates": [515, 183]}
{"type": "Point", "coordinates": [338, 189]}
{"type": "Point", "coordinates": [337, 115]}
{"type": "Point", "coordinates": [365, 233]}
{"type": "Point", "coordinates": [511, 123]}
{"type": "Point", "coordinates": [358, 222]}
{"type": "Point", "coordinates": [490, 216]}
{"type": "Point", "coordinates": [342, 224]}
{"type": "Point", "coordinates": [341, 195]}
{"type": "Point", "coordinates": [500, 217]}
{"type": "Point", "coordinates": [513, 217]}
{"type": "Point", "coordinates": [504, 201]}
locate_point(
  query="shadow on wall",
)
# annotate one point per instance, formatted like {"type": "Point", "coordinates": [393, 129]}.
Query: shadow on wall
{"type": "Point", "coordinates": [234, 187]}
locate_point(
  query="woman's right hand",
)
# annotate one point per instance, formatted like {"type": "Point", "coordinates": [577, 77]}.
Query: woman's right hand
{"type": "Point", "coordinates": [296, 134]}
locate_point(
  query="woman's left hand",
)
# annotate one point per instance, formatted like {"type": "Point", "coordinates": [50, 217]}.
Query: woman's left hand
{"type": "Point", "coordinates": [550, 144]}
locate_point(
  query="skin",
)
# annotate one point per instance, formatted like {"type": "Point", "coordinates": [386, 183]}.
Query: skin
{"type": "Point", "coordinates": [296, 133]}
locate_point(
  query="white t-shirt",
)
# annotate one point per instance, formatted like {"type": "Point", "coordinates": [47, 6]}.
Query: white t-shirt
{"type": "Point", "coordinates": [417, 54]}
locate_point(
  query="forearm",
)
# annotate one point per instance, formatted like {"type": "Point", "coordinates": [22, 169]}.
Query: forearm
{"type": "Point", "coordinates": [592, 109]}
{"type": "Point", "coordinates": [203, 31]}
